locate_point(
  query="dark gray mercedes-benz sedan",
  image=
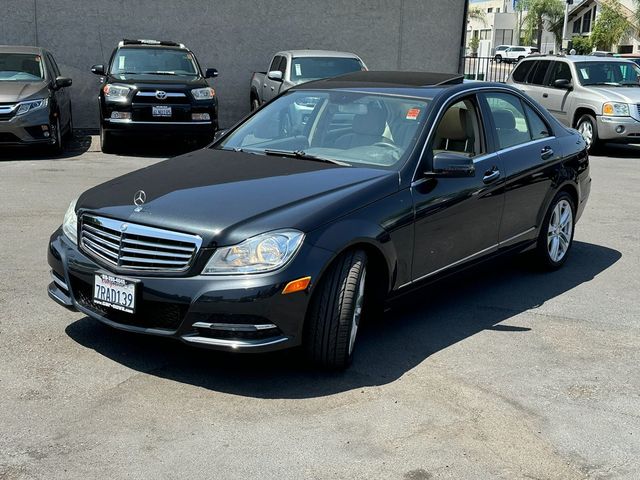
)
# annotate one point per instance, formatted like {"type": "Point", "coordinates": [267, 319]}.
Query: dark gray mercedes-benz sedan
{"type": "Point", "coordinates": [35, 108]}
{"type": "Point", "coordinates": [285, 233]}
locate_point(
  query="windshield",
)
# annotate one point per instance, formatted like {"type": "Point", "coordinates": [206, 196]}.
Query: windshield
{"type": "Point", "coordinates": [608, 73]}
{"type": "Point", "coordinates": [343, 127]}
{"type": "Point", "coordinates": [159, 61]}
{"type": "Point", "coordinates": [304, 69]}
{"type": "Point", "coordinates": [21, 67]}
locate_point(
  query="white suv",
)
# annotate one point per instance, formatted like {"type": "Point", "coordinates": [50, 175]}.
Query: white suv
{"type": "Point", "coordinates": [498, 54]}
{"type": "Point", "coordinates": [515, 54]}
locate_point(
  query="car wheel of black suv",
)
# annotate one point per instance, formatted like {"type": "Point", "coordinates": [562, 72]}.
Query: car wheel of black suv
{"type": "Point", "coordinates": [556, 233]}
{"type": "Point", "coordinates": [106, 141]}
{"type": "Point", "coordinates": [588, 128]}
{"type": "Point", "coordinates": [336, 311]}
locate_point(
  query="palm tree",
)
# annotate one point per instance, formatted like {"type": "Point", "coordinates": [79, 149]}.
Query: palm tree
{"type": "Point", "coordinates": [476, 13]}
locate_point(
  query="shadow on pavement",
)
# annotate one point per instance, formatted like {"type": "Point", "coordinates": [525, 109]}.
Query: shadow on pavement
{"type": "Point", "coordinates": [423, 323]}
{"type": "Point", "coordinates": [74, 147]}
{"type": "Point", "coordinates": [154, 147]}
{"type": "Point", "coordinates": [618, 150]}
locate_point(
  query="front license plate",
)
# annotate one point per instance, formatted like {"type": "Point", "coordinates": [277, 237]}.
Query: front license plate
{"type": "Point", "coordinates": [161, 111]}
{"type": "Point", "coordinates": [114, 292]}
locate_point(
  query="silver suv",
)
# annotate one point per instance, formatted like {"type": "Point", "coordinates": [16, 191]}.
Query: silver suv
{"type": "Point", "coordinates": [599, 96]}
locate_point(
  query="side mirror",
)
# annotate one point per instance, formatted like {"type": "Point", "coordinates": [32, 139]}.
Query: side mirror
{"type": "Point", "coordinates": [210, 73]}
{"type": "Point", "coordinates": [275, 75]}
{"type": "Point", "coordinates": [452, 164]}
{"type": "Point", "coordinates": [63, 82]}
{"type": "Point", "coordinates": [98, 69]}
{"type": "Point", "coordinates": [563, 83]}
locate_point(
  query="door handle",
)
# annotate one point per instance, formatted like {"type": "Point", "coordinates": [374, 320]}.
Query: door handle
{"type": "Point", "coordinates": [491, 176]}
{"type": "Point", "coordinates": [545, 95]}
{"type": "Point", "coordinates": [546, 153]}
{"type": "Point", "coordinates": [265, 85]}
{"type": "Point", "coordinates": [272, 89]}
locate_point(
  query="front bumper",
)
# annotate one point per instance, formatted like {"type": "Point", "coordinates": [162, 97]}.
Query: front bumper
{"type": "Point", "coordinates": [26, 129]}
{"type": "Point", "coordinates": [618, 129]}
{"type": "Point", "coordinates": [232, 313]}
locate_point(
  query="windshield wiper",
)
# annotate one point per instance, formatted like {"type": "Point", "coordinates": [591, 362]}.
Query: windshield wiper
{"type": "Point", "coordinates": [609, 84]}
{"type": "Point", "coordinates": [302, 155]}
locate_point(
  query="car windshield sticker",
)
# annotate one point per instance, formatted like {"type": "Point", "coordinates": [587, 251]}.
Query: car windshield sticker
{"type": "Point", "coordinates": [298, 70]}
{"type": "Point", "coordinates": [121, 62]}
{"type": "Point", "coordinates": [413, 113]}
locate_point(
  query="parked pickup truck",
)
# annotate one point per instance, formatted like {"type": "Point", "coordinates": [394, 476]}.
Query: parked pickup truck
{"type": "Point", "coordinates": [294, 67]}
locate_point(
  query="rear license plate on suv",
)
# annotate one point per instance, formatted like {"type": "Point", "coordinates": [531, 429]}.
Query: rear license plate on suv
{"type": "Point", "coordinates": [161, 111]}
{"type": "Point", "coordinates": [114, 292]}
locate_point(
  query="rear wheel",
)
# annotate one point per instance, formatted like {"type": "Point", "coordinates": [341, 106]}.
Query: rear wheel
{"type": "Point", "coordinates": [498, 58]}
{"type": "Point", "coordinates": [556, 234]}
{"type": "Point", "coordinates": [69, 134]}
{"type": "Point", "coordinates": [520, 58]}
{"type": "Point", "coordinates": [335, 312]}
{"type": "Point", "coordinates": [588, 128]}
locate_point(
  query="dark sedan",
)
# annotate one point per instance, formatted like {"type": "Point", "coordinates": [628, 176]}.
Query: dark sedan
{"type": "Point", "coordinates": [281, 235]}
{"type": "Point", "coordinates": [35, 105]}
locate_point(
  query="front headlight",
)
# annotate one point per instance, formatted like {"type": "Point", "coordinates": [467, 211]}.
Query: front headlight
{"type": "Point", "coordinates": [32, 105]}
{"type": "Point", "coordinates": [116, 93]}
{"type": "Point", "coordinates": [70, 223]}
{"type": "Point", "coordinates": [262, 253]}
{"type": "Point", "coordinates": [203, 93]}
{"type": "Point", "coordinates": [615, 109]}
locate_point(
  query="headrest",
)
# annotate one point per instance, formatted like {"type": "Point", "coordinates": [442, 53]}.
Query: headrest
{"type": "Point", "coordinates": [504, 119]}
{"type": "Point", "coordinates": [371, 123]}
{"type": "Point", "coordinates": [454, 125]}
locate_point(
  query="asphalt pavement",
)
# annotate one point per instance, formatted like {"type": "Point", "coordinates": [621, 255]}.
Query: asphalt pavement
{"type": "Point", "coordinates": [503, 372]}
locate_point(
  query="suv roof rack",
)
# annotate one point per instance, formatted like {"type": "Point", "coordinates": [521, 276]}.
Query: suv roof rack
{"type": "Point", "coordinates": [164, 43]}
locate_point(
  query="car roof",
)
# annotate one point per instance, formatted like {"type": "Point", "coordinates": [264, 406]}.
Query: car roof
{"type": "Point", "coordinates": [21, 49]}
{"type": "Point", "coordinates": [317, 53]}
{"type": "Point", "coordinates": [576, 58]}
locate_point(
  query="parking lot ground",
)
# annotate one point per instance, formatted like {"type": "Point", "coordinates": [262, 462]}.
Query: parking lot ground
{"type": "Point", "coordinates": [504, 372]}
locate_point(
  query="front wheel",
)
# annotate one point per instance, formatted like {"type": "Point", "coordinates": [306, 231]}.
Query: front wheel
{"type": "Point", "coordinates": [588, 128]}
{"type": "Point", "coordinates": [498, 59]}
{"type": "Point", "coordinates": [106, 141]}
{"type": "Point", "coordinates": [336, 311]}
{"type": "Point", "coordinates": [556, 234]}
{"type": "Point", "coordinates": [57, 146]}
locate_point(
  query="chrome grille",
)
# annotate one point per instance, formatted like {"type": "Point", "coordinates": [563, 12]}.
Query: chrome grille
{"type": "Point", "coordinates": [129, 246]}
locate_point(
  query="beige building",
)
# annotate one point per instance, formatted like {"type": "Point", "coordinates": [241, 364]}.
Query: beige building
{"type": "Point", "coordinates": [583, 15]}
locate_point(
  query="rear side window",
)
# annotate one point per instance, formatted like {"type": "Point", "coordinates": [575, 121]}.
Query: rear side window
{"type": "Point", "coordinates": [509, 119]}
{"type": "Point", "coordinates": [521, 71]}
{"type": "Point", "coordinates": [537, 125]}
{"type": "Point", "coordinates": [537, 78]}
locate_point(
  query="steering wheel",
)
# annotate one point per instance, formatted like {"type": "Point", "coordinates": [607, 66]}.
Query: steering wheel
{"type": "Point", "coordinates": [385, 144]}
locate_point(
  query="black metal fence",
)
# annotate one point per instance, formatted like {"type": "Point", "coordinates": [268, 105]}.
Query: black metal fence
{"type": "Point", "coordinates": [486, 69]}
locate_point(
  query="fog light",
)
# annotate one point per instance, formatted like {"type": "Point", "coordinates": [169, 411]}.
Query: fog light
{"type": "Point", "coordinates": [45, 128]}
{"type": "Point", "coordinates": [619, 129]}
{"type": "Point", "coordinates": [200, 116]}
{"type": "Point", "coordinates": [46, 134]}
{"type": "Point", "coordinates": [121, 115]}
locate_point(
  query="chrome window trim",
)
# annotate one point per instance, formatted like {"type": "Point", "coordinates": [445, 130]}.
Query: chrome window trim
{"type": "Point", "coordinates": [466, 93]}
{"type": "Point", "coordinates": [467, 258]}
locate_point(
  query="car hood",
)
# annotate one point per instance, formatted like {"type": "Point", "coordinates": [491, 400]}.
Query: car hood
{"type": "Point", "coordinates": [226, 197]}
{"type": "Point", "coordinates": [19, 91]}
{"type": "Point", "coordinates": [157, 81]}
{"type": "Point", "coordinates": [618, 94]}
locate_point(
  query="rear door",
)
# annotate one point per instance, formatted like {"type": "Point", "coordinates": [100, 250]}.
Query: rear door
{"type": "Point", "coordinates": [557, 100]}
{"type": "Point", "coordinates": [529, 153]}
{"type": "Point", "coordinates": [536, 81]}
{"type": "Point", "coordinates": [457, 219]}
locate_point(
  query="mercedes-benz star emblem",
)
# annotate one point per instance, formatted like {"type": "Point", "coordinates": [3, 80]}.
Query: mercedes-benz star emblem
{"type": "Point", "coordinates": [161, 95]}
{"type": "Point", "coordinates": [139, 198]}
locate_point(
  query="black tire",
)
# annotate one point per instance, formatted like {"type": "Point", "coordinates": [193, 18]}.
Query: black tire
{"type": "Point", "coordinates": [498, 58]}
{"type": "Point", "coordinates": [255, 103]}
{"type": "Point", "coordinates": [57, 147]}
{"type": "Point", "coordinates": [588, 121]}
{"type": "Point", "coordinates": [69, 134]}
{"type": "Point", "coordinates": [330, 319]}
{"type": "Point", "coordinates": [106, 141]}
{"type": "Point", "coordinates": [520, 58]}
{"type": "Point", "coordinates": [543, 256]}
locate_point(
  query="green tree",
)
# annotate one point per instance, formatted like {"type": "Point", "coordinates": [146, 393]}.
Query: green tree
{"type": "Point", "coordinates": [476, 13]}
{"type": "Point", "coordinates": [540, 13]}
{"type": "Point", "coordinates": [611, 25]}
{"type": "Point", "coordinates": [474, 44]}
{"type": "Point", "coordinates": [582, 45]}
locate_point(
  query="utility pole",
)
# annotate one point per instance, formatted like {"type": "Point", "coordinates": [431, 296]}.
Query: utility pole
{"type": "Point", "coordinates": [565, 38]}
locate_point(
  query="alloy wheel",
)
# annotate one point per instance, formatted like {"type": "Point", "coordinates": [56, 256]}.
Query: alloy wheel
{"type": "Point", "coordinates": [560, 231]}
{"type": "Point", "coordinates": [357, 311]}
{"type": "Point", "coordinates": [586, 130]}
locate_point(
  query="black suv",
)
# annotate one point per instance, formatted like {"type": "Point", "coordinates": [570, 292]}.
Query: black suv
{"type": "Point", "coordinates": [158, 88]}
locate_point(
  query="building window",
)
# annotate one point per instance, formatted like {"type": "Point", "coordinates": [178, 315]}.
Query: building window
{"type": "Point", "coordinates": [586, 23]}
{"type": "Point", "coordinates": [625, 49]}
{"type": "Point", "coordinates": [489, 10]}
{"type": "Point", "coordinates": [504, 37]}
{"type": "Point", "coordinates": [485, 34]}
{"type": "Point", "coordinates": [577, 25]}
{"type": "Point", "coordinates": [498, 10]}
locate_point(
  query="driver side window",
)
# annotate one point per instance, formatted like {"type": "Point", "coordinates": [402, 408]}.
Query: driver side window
{"type": "Point", "coordinates": [459, 130]}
